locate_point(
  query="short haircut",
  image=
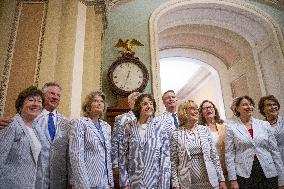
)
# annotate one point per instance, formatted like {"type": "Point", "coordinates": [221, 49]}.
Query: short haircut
{"type": "Point", "coordinates": [134, 94]}
{"type": "Point", "coordinates": [182, 111]}
{"type": "Point", "coordinates": [168, 91]}
{"type": "Point", "coordinates": [86, 107]}
{"type": "Point", "coordinates": [49, 84]}
{"type": "Point", "coordinates": [263, 99]}
{"type": "Point", "coordinates": [238, 101]}
{"type": "Point", "coordinates": [23, 95]}
{"type": "Point", "coordinates": [137, 105]}
{"type": "Point", "coordinates": [202, 120]}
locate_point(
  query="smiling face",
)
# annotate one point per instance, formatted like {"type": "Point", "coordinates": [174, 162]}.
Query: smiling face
{"type": "Point", "coordinates": [245, 108]}
{"type": "Point", "coordinates": [97, 106]}
{"type": "Point", "coordinates": [270, 108]}
{"type": "Point", "coordinates": [52, 96]}
{"type": "Point", "coordinates": [208, 111]}
{"type": "Point", "coordinates": [170, 101]}
{"type": "Point", "coordinates": [192, 114]}
{"type": "Point", "coordinates": [147, 108]}
{"type": "Point", "coordinates": [31, 108]}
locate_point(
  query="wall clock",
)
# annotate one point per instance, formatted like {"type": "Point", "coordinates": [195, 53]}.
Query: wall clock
{"type": "Point", "coordinates": [127, 74]}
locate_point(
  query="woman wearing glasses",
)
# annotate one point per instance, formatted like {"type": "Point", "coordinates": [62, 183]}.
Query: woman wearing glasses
{"type": "Point", "coordinates": [209, 116]}
{"type": "Point", "coordinates": [269, 108]}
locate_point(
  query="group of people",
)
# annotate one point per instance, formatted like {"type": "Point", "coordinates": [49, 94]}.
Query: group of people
{"type": "Point", "coordinates": [188, 146]}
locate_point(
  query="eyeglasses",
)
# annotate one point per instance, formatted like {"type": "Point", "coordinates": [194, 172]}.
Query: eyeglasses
{"type": "Point", "coordinates": [270, 104]}
{"type": "Point", "coordinates": [207, 108]}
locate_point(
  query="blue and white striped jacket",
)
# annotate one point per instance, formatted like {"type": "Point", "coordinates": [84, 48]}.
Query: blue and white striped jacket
{"type": "Point", "coordinates": [279, 135]}
{"type": "Point", "coordinates": [18, 165]}
{"type": "Point", "coordinates": [90, 156]}
{"type": "Point", "coordinates": [117, 134]}
{"type": "Point", "coordinates": [145, 163]}
{"type": "Point", "coordinates": [53, 160]}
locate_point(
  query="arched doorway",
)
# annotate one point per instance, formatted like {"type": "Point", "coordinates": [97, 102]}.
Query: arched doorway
{"type": "Point", "coordinates": [193, 80]}
{"type": "Point", "coordinates": [197, 25]}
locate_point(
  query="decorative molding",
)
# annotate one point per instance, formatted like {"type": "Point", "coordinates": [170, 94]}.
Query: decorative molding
{"type": "Point", "coordinates": [100, 7]}
{"type": "Point", "coordinates": [40, 45]}
{"type": "Point", "coordinates": [159, 12]}
{"type": "Point", "coordinates": [278, 4]}
{"type": "Point", "coordinates": [11, 46]}
{"type": "Point", "coordinates": [240, 86]}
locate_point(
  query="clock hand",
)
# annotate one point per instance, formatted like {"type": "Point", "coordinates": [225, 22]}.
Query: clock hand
{"type": "Point", "coordinates": [126, 78]}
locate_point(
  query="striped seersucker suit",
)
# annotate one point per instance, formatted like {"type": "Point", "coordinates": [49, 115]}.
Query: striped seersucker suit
{"type": "Point", "coordinates": [145, 163]}
{"type": "Point", "coordinates": [53, 162]}
{"type": "Point", "coordinates": [90, 155]}
{"type": "Point", "coordinates": [18, 165]}
{"type": "Point", "coordinates": [279, 135]}
{"type": "Point", "coordinates": [181, 158]}
{"type": "Point", "coordinates": [117, 134]}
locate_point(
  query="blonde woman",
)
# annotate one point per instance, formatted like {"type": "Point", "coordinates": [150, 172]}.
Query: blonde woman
{"type": "Point", "coordinates": [195, 162]}
{"type": "Point", "coordinates": [90, 148]}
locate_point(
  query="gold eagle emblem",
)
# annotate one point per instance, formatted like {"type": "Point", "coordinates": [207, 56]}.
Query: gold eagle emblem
{"type": "Point", "coordinates": [128, 45]}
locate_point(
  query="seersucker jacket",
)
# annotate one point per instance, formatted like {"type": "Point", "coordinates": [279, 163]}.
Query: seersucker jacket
{"type": "Point", "coordinates": [18, 165]}
{"type": "Point", "coordinates": [117, 134]}
{"type": "Point", "coordinates": [90, 155]}
{"type": "Point", "coordinates": [181, 158]}
{"type": "Point", "coordinates": [145, 162]}
{"type": "Point", "coordinates": [240, 149]}
{"type": "Point", "coordinates": [279, 135]}
{"type": "Point", "coordinates": [53, 165]}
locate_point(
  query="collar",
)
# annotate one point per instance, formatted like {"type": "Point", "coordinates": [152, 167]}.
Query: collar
{"type": "Point", "coordinates": [170, 113]}
{"type": "Point", "coordinates": [45, 112]}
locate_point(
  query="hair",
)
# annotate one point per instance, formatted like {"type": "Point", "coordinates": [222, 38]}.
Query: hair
{"type": "Point", "coordinates": [263, 99]}
{"type": "Point", "coordinates": [238, 101]}
{"type": "Point", "coordinates": [23, 95]}
{"type": "Point", "coordinates": [233, 104]}
{"type": "Point", "coordinates": [49, 84]}
{"type": "Point", "coordinates": [202, 120]}
{"type": "Point", "coordinates": [182, 111]}
{"type": "Point", "coordinates": [134, 94]}
{"type": "Point", "coordinates": [86, 107]}
{"type": "Point", "coordinates": [168, 91]}
{"type": "Point", "coordinates": [137, 105]}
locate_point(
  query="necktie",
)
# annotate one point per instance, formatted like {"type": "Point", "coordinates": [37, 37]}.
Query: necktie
{"type": "Point", "coordinates": [51, 126]}
{"type": "Point", "coordinates": [175, 120]}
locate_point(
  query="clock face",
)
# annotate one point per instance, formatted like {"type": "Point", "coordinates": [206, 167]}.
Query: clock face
{"type": "Point", "coordinates": [128, 76]}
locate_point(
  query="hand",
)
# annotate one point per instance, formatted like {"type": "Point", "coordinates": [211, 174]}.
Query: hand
{"type": "Point", "coordinates": [281, 187]}
{"type": "Point", "coordinates": [176, 187]}
{"type": "Point", "coordinates": [234, 184]}
{"type": "Point", "coordinates": [4, 122]}
{"type": "Point", "coordinates": [126, 187]}
{"type": "Point", "coordinates": [222, 185]}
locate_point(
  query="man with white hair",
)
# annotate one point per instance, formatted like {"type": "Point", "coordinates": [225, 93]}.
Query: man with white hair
{"type": "Point", "coordinates": [117, 132]}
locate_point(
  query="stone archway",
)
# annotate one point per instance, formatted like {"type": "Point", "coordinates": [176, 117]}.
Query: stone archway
{"type": "Point", "coordinates": [261, 32]}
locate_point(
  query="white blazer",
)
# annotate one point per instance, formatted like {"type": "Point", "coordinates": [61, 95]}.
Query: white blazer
{"type": "Point", "coordinates": [240, 149]}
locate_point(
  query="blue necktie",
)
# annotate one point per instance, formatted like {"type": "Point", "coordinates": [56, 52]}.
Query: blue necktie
{"type": "Point", "coordinates": [175, 120]}
{"type": "Point", "coordinates": [51, 126]}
